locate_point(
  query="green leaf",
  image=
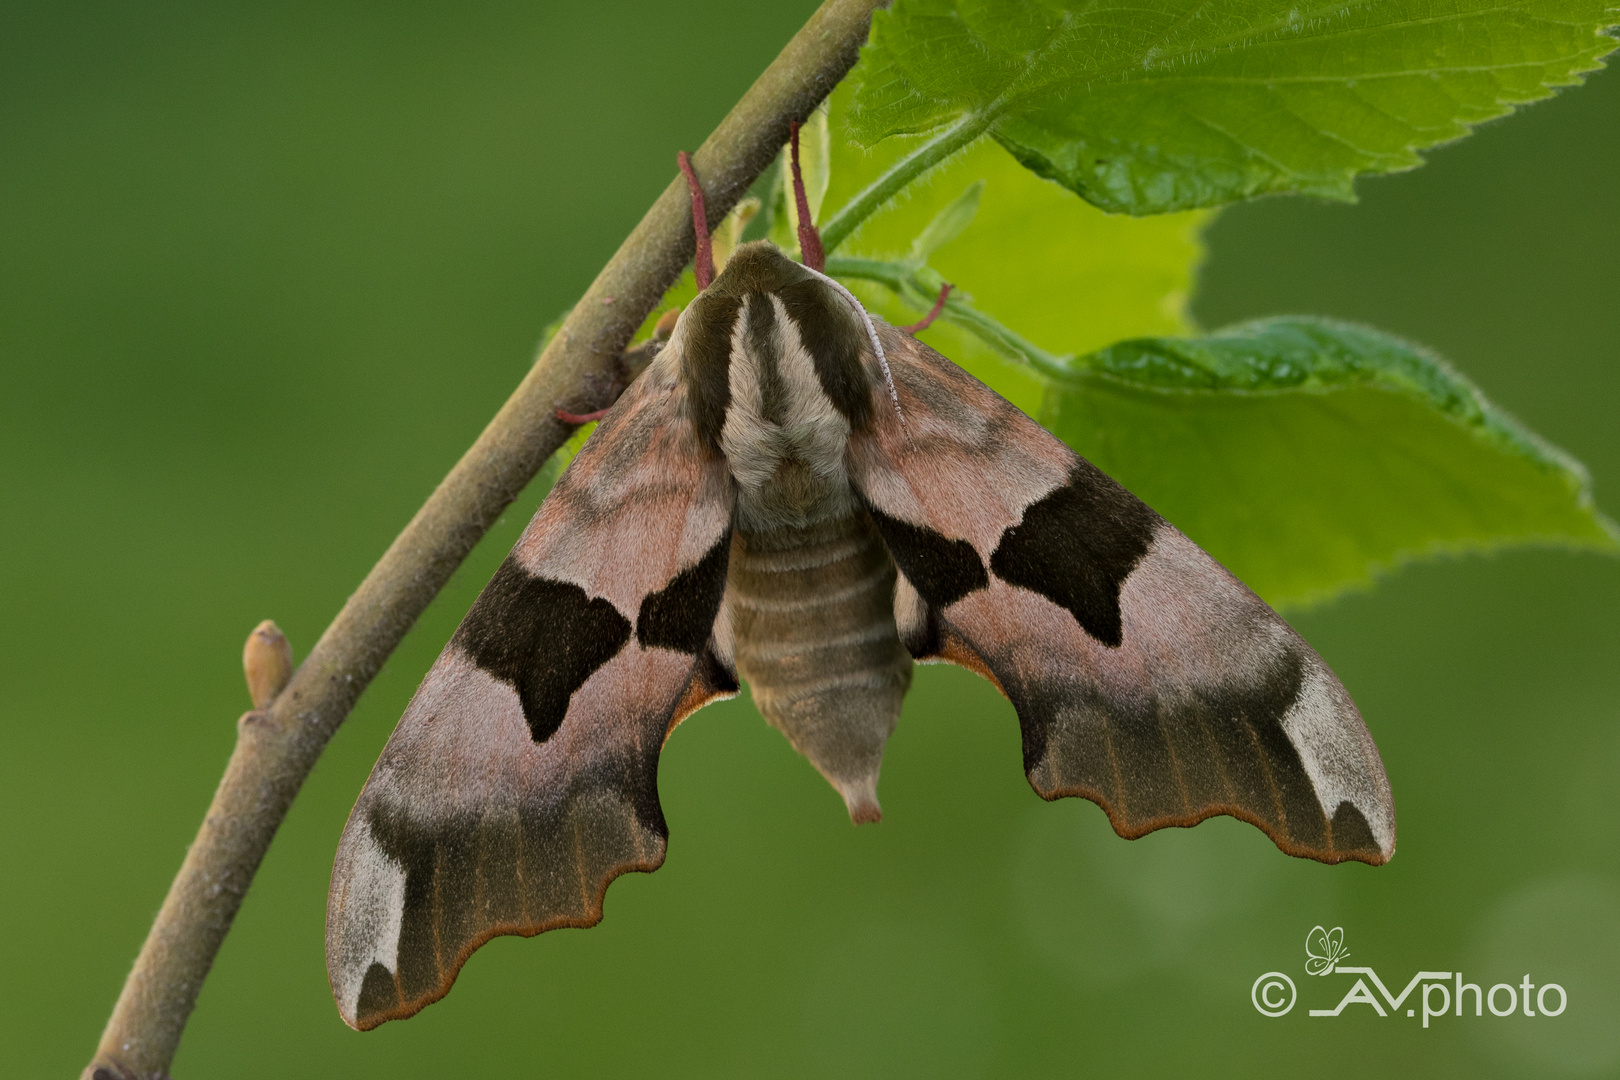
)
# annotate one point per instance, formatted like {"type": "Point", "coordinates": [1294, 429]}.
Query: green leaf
{"type": "Point", "coordinates": [1169, 104]}
{"type": "Point", "coordinates": [1307, 455]}
{"type": "Point", "coordinates": [948, 224]}
{"type": "Point", "coordinates": [1068, 277]}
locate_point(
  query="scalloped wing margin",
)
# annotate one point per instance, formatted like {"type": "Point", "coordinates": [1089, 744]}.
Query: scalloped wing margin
{"type": "Point", "coordinates": [522, 778]}
{"type": "Point", "coordinates": [1145, 676]}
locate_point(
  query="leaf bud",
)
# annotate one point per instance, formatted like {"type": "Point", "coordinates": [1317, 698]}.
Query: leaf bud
{"type": "Point", "coordinates": [267, 663]}
{"type": "Point", "coordinates": [666, 324]}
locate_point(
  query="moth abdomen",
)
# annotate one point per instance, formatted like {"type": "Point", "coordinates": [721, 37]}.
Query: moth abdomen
{"type": "Point", "coordinates": [812, 614]}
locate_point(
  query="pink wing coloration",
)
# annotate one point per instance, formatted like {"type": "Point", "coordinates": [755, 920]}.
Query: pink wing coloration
{"type": "Point", "coordinates": [522, 779]}
{"type": "Point", "coordinates": [1145, 676]}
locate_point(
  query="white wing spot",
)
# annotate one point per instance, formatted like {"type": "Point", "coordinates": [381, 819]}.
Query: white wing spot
{"type": "Point", "coordinates": [1331, 751]}
{"type": "Point", "coordinates": [373, 913]}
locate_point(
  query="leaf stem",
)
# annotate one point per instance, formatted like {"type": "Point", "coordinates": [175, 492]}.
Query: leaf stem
{"type": "Point", "coordinates": [579, 370]}
{"type": "Point", "coordinates": [949, 140]}
{"type": "Point", "coordinates": [918, 284]}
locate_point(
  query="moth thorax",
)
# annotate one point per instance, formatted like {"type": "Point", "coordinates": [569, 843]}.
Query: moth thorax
{"type": "Point", "coordinates": [794, 499]}
{"type": "Point", "coordinates": [783, 436]}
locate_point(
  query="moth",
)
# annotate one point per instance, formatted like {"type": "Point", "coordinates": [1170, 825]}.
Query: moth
{"type": "Point", "coordinates": [801, 495]}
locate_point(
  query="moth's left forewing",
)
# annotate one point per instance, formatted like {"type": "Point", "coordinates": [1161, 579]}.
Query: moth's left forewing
{"type": "Point", "coordinates": [1146, 677]}
{"type": "Point", "coordinates": [522, 778]}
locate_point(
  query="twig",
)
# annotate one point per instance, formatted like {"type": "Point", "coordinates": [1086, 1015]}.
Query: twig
{"type": "Point", "coordinates": [278, 744]}
{"type": "Point", "coordinates": [938, 148]}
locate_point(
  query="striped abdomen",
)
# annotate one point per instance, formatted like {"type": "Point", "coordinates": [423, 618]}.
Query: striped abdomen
{"type": "Point", "coordinates": [812, 618]}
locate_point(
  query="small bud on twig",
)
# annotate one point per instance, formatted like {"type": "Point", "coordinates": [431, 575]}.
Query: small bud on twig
{"type": "Point", "coordinates": [578, 366]}
{"type": "Point", "coordinates": [666, 324]}
{"type": "Point", "coordinates": [267, 663]}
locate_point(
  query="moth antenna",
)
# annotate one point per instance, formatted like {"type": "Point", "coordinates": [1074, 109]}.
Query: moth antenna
{"type": "Point", "coordinates": [703, 260]}
{"type": "Point", "coordinates": [810, 250]}
{"type": "Point", "coordinates": [815, 260]}
{"type": "Point", "coordinates": [939, 306]}
{"type": "Point", "coordinates": [871, 335]}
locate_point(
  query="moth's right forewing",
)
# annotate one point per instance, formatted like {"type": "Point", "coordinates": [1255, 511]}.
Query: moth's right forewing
{"type": "Point", "coordinates": [1146, 677]}
{"type": "Point", "coordinates": [522, 777]}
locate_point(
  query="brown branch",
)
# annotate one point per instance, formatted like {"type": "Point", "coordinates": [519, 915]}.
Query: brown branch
{"type": "Point", "coordinates": [579, 371]}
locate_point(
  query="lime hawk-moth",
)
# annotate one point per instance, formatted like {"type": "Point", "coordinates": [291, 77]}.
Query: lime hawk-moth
{"type": "Point", "coordinates": [799, 494]}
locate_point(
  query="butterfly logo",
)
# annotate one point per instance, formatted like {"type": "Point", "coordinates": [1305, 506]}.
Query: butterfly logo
{"type": "Point", "coordinates": [1323, 949]}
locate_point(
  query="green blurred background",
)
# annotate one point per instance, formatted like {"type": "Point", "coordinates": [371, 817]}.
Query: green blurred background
{"type": "Point", "coordinates": [266, 269]}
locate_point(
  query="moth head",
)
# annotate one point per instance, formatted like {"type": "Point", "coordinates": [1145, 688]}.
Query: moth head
{"type": "Point", "coordinates": [761, 304]}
